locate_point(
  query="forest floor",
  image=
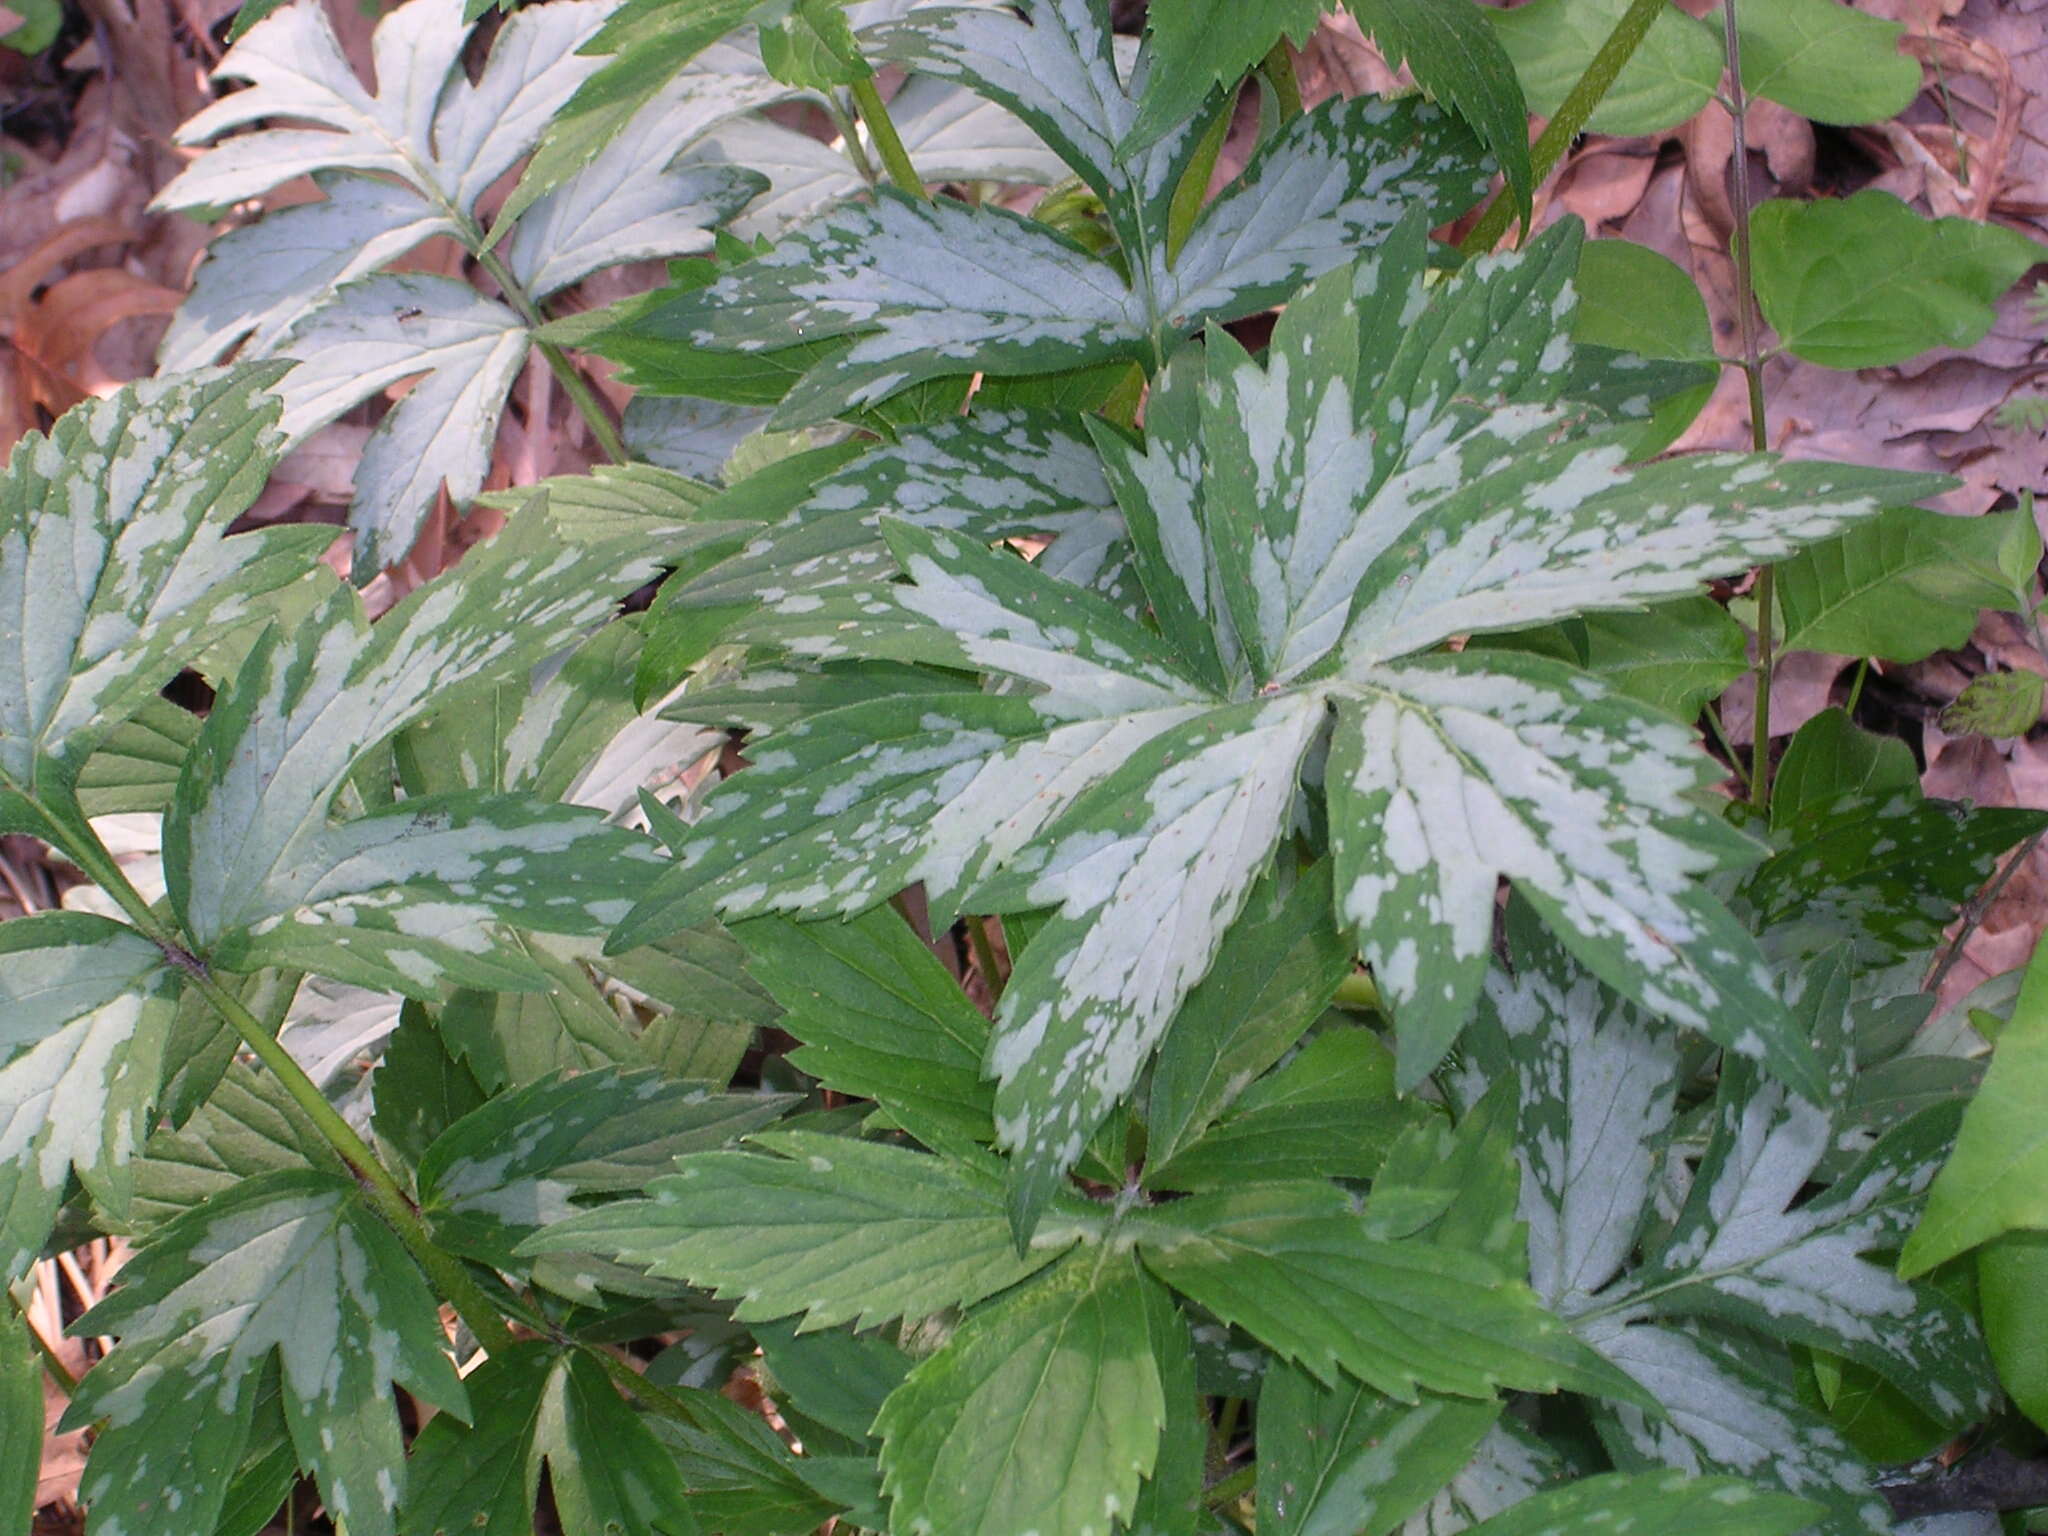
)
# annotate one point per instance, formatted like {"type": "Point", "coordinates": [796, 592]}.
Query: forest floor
{"type": "Point", "coordinates": [89, 277]}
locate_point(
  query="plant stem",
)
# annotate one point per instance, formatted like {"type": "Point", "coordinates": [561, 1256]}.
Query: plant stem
{"type": "Point", "coordinates": [1278, 68]}
{"type": "Point", "coordinates": [1572, 115]}
{"type": "Point", "coordinates": [849, 137]}
{"type": "Point", "coordinates": [1759, 424]}
{"type": "Point", "coordinates": [385, 1195]}
{"type": "Point", "coordinates": [888, 143]}
{"type": "Point", "coordinates": [566, 373]}
{"type": "Point", "coordinates": [1720, 734]}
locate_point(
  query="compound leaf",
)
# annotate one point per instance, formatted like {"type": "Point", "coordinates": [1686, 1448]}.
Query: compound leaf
{"type": "Point", "coordinates": [288, 1263]}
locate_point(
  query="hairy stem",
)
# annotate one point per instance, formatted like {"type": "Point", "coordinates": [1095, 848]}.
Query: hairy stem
{"type": "Point", "coordinates": [888, 143]}
{"type": "Point", "coordinates": [1751, 327]}
{"type": "Point", "coordinates": [849, 137]}
{"type": "Point", "coordinates": [1572, 116]}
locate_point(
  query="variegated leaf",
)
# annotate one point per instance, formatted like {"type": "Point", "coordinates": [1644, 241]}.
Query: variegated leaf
{"type": "Point", "coordinates": [889, 274]}
{"type": "Point", "coordinates": [258, 281]}
{"type": "Point", "coordinates": [466, 349]}
{"type": "Point", "coordinates": [288, 1263]}
{"type": "Point", "coordinates": [79, 1094]}
{"type": "Point", "coordinates": [1512, 1463]}
{"type": "Point", "coordinates": [446, 138]}
{"type": "Point", "coordinates": [259, 872]}
{"type": "Point", "coordinates": [1449, 773]}
{"type": "Point", "coordinates": [1729, 1405]}
{"type": "Point", "coordinates": [115, 567]}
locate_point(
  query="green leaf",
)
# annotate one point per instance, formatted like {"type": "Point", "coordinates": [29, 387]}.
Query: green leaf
{"type": "Point", "coordinates": [1885, 873]}
{"type": "Point", "coordinates": [259, 873]}
{"type": "Point", "coordinates": [419, 1088]}
{"type": "Point", "coordinates": [1330, 1112]}
{"type": "Point", "coordinates": [1042, 1413]}
{"type": "Point", "coordinates": [837, 1229]}
{"type": "Point", "coordinates": [21, 1421]}
{"type": "Point", "coordinates": [1827, 61]}
{"type": "Point", "coordinates": [1456, 1188]}
{"type": "Point", "coordinates": [1637, 300]}
{"type": "Point", "coordinates": [511, 1166]}
{"type": "Point", "coordinates": [1292, 1264]}
{"type": "Point", "coordinates": [1458, 58]}
{"type": "Point", "coordinates": [1863, 281]}
{"type": "Point", "coordinates": [1654, 1504]}
{"type": "Point", "coordinates": [511, 1039]}
{"type": "Point", "coordinates": [289, 1263]}
{"type": "Point", "coordinates": [1196, 46]}
{"type": "Point", "coordinates": [2012, 1280]}
{"type": "Point", "coordinates": [1830, 758]}
{"type": "Point", "coordinates": [136, 767]}
{"type": "Point", "coordinates": [1674, 73]}
{"type": "Point", "coordinates": [1345, 1461]}
{"type": "Point", "coordinates": [1512, 1463]}
{"type": "Point", "coordinates": [607, 1471]}
{"type": "Point", "coordinates": [1676, 657]}
{"type": "Point", "coordinates": [1996, 704]}
{"type": "Point", "coordinates": [880, 1018]}
{"type": "Point", "coordinates": [1996, 1178]}
{"type": "Point", "coordinates": [743, 1481]}
{"type": "Point", "coordinates": [249, 1126]}
{"type": "Point", "coordinates": [1275, 972]}
{"type": "Point", "coordinates": [813, 47]}
{"type": "Point", "coordinates": [115, 567]}
{"type": "Point", "coordinates": [1902, 586]}
{"type": "Point", "coordinates": [837, 1377]}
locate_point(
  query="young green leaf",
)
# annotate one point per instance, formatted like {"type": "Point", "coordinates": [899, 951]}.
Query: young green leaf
{"type": "Point", "coordinates": [115, 565]}
{"type": "Point", "coordinates": [1829, 758]}
{"type": "Point", "coordinates": [289, 1263]}
{"type": "Point", "coordinates": [1996, 704]}
{"type": "Point", "coordinates": [1637, 300]}
{"type": "Point", "coordinates": [836, 1229]}
{"type": "Point", "coordinates": [250, 1125]}
{"type": "Point", "coordinates": [2012, 1284]}
{"type": "Point", "coordinates": [1199, 45]}
{"type": "Point", "coordinates": [1863, 281]}
{"type": "Point", "coordinates": [1042, 1413]}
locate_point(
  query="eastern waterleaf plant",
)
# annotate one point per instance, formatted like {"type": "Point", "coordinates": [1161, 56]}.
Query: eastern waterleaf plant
{"type": "Point", "coordinates": [1412, 462]}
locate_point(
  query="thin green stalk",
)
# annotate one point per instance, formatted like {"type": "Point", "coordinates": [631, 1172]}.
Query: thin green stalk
{"type": "Point", "coordinates": [1856, 687]}
{"type": "Point", "coordinates": [888, 143]}
{"type": "Point", "coordinates": [567, 374]}
{"type": "Point", "coordinates": [849, 137]}
{"type": "Point", "coordinates": [1751, 326]}
{"type": "Point", "coordinates": [1720, 734]}
{"type": "Point", "coordinates": [1278, 68]}
{"type": "Point", "coordinates": [1571, 119]}
{"type": "Point", "coordinates": [388, 1199]}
